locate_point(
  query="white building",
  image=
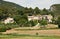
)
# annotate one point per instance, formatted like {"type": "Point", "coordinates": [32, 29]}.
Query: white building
{"type": "Point", "coordinates": [8, 20]}
{"type": "Point", "coordinates": [48, 17]}
{"type": "Point", "coordinates": [40, 17]}
{"type": "Point", "coordinates": [34, 18]}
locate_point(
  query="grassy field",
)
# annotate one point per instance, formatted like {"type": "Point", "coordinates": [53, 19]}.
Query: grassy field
{"type": "Point", "coordinates": [17, 36]}
{"type": "Point", "coordinates": [18, 33]}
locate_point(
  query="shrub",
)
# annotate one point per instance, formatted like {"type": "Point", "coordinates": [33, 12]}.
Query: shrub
{"type": "Point", "coordinates": [8, 28]}
{"type": "Point", "coordinates": [3, 29]}
{"type": "Point", "coordinates": [36, 33]}
{"type": "Point", "coordinates": [43, 23]}
{"type": "Point", "coordinates": [33, 22]}
{"type": "Point", "coordinates": [58, 22]}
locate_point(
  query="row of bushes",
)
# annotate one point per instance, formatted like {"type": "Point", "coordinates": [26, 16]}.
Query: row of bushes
{"type": "Point", "coordinates": [3, 28]}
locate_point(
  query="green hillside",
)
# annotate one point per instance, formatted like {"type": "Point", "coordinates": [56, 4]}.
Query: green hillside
{"type": "Point", "coordinates": [55, 9]}
{"type": "Point", "coordinates": [8, 9]}
{"type": "Point", "coordinates": [9, 4]}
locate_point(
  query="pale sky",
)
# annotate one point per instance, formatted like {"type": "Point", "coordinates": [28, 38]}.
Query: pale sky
{"type": "Point", "coordinates": [35, 3]}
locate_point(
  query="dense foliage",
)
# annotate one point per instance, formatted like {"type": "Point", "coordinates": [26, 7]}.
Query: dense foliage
{"type": "Point", "coordinates": [58, 22]}
{"type": "Point", "coordinates": [19, 13]}
{"type": "Point", "coordinates": [55, 9]}
{"type": "Point", "coordinates": [43, 23]}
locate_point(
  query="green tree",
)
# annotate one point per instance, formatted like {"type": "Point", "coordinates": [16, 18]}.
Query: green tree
{"type": "Point", "coordinates": [58, 22]}
{"type": "Point", "coordinates": [26, 10]}
{"type": "Point", "coordinates": [20, 12]}
{"type": "Point", "coordinates": [31, 11]}
{"type": "Point", "coordinates": [43, 23]}
{"type": "Point", "coordinates": [52, 13]}
{"type": "Point", "coordinates": [33, 23]}
{"type": "Point", "coordinates": [37, 11]}
{"type": "Point", "coordinates": [21, 20]}
{"type": "Point", "coordinates": [44, 12]}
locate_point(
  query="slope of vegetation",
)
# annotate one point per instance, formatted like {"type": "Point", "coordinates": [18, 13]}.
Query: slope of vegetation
{"type": "Point", "coordinates": [19, 14]}
{"type": "Point", "coordinates": [8, 9]}
{"type": "Point", "coordinates": [55, 9]}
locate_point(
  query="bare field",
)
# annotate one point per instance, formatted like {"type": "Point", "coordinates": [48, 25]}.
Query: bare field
{"type": "Point", "coordinates": [33, 32]}
{"type": "Point", "coordinates": [42, 34]}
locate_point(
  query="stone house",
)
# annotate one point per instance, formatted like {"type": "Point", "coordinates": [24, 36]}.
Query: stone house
{"type": "Point", "coordinates": [8, 20]}
{"type": "Point", "coordinates": [40, 17]}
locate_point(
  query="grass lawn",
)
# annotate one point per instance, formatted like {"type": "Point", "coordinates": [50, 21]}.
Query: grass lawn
{"type": "Point", "coordinates": [17, 36]}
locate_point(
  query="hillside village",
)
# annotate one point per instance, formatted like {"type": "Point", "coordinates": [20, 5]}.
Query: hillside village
{"type": "Point", "coordinates": [40, 17]}
{"type": "Point", "coordinates": [20, 22]}
{"type": "Point", "coordinates": [13, 15]}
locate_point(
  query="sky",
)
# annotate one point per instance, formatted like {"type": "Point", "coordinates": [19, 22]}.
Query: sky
{"type": "Point", "coordinates": [35, 3]}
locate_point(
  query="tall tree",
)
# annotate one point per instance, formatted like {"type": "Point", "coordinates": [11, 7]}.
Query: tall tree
{"type": "Point", "coordinates": [37, 10]}
{"type": "Point", "coordinates": [28, 11]}
{"type": "Point", "coordinates": [45, 12]}
{"type": "Point", "coordinates": [58, 22]}
{"type": "Point", "coordinates": [31, 12]}
{"type": "Point", "coordinates": [43, 22]}
{"type": "Point", "coordinates": [25, 10]}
